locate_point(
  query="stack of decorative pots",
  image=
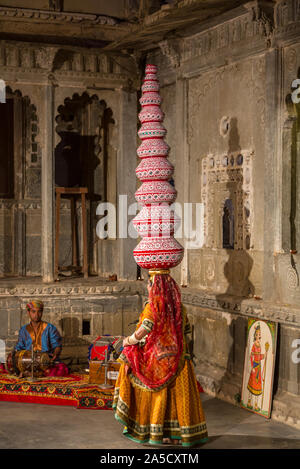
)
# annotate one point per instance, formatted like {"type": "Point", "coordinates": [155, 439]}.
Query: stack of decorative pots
{"type": "Point", "coordinates": [156, 222]}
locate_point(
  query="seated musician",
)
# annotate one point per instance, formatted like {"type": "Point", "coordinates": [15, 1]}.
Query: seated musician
{"type": "Point", "coordinates": [42, 335]}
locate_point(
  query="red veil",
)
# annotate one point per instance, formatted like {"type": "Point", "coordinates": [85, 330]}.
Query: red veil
{"type": "Point", "coordinates": [156, 363]}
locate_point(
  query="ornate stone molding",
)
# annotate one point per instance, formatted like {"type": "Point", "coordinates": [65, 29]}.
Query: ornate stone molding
{"type": "Point", "coordinates": [223, 303]}
{"type": "Point", "coordinates": [243, 306]}
{"type": "Point", "coordinates": [205, 300]}
{"type": "Point", "coordinates": [74, 290]}
{"type": "Point", "coordinates": [7, 204]}
{"type": "Point", "coordinates": [252, 25]}
{"type": "Point", "coordinates": [272, 312]}
{"type": "Point", "coordinates": [60, 61]}
{"type": "Point", "coordinates": [20, 205]}
{"type": "Point", "coordinates": [55, 16]}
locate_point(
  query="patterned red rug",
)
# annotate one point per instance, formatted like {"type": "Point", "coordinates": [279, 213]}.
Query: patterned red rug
{"type": "Point", "coordinates": [72, 390]}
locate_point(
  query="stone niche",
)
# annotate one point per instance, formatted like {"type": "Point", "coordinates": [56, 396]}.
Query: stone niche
{"type": "Point", "coordinates": [227, 199]}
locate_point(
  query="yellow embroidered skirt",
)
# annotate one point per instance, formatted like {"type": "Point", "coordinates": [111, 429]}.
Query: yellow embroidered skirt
{"type": "Point", "coordinates": [172, 412]}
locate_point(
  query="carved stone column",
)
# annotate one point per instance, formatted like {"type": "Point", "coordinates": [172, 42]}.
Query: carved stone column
{"type": "Point", "coordinates": [182, 158]}
{"type": "Point", "coordinates": [286, 183]}
{"type": "Point", "coordinates": [126, 181]}
{"type": "Point", "coordinates": [47, 121]}
{"type": "Point", "coordinates": [272, 178]}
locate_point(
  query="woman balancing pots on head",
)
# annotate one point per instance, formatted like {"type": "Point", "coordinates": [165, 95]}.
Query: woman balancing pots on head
{"type": "Point", "coordinates": [156, 394]}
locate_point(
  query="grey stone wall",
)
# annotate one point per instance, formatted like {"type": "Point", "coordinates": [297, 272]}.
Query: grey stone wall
{"type": "Point", "coordinates": [220, 331]}
{"type": "Point", "coordinates": [240, 68]}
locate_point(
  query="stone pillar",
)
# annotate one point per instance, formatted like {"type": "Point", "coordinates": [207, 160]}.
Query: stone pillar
{"type": "Point", "coordinates": [272, 177]}
{"type": "Point", "coordinates": [126, 180]}
{"type": "Point", "coordinates": [286, 184]}
{"type": "Point", "coordinates": [182, 159]}
{"type": "Point", "coordinates": [19, 211]}
{"type": "Point", "coordinates": [48, 185]}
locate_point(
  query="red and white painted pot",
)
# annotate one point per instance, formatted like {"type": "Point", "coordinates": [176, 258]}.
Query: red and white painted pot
{"type": "Point", "coordinates": [154, 169]}
{"type": "Point", "coordinates": [156, 220]}
{"type": "Point", "coordinates": [151, 114]}
{"type": "Point", "coordinates": [153, 192]}
{"type": "Point", "coordinates": [152, 130]}
{"type": "Point", "coordinates": [158, 253]}
{"type": "Point", "coordinates": [153, 147]}
{"type": "Point", "coordinates": [151, 98]}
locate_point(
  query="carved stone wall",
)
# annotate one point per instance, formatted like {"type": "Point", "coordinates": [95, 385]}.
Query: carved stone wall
{"type": "Point", "coordinates": [233, 85]}
{"type": "Point", "coordinates": [287, 264]}
{"type": "Point", "coordinates": [220, 126]}
{"type": "Point", "coordinates": [32, 69]}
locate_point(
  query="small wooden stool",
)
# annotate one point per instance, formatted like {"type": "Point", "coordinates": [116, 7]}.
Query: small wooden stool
{"type": "Point", "coordinates": [72, 193]}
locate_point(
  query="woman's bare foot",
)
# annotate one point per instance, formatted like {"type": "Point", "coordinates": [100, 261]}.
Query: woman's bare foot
{"type": "Point", "coordinates": [169, 441]}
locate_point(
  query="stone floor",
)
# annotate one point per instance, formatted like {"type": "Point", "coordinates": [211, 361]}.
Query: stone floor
{"type": "Point", "coordinates": [35, 426]}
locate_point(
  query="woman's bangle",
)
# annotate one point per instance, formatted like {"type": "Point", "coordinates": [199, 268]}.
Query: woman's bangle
{"type": "Point", "coordinates": [132, 340]}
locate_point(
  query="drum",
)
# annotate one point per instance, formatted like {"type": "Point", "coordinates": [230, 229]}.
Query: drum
{"type": "Point", "coordinates": [106, 344]}
{"type": "Point", "coordinates": [21, 362]}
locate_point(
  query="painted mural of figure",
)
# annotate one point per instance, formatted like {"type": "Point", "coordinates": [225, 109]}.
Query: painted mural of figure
{"type": "Point", "coordinates": [255, 383]}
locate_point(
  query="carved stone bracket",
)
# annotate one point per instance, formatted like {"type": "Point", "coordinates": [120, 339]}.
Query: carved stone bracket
{"type": "Point", "coordinates": [286, 12]}
{"type": "Point", "coordinates": [45, 57]}
{"type": "Point", "coordinates": [264, 24]}
{"type": "Point", "coordinates": [170, 49]}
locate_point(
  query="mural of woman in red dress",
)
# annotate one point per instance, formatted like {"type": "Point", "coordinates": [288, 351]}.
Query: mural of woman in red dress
{"type": "Point", "coordinates": [259, 365]}
{"type": "Point", "coordinates": [255, 383]}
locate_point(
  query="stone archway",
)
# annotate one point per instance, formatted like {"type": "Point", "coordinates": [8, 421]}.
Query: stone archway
{"type": "Point", "coordinates": [85, 156]}
{"type": "Point", "coordinates": [20, 181]}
